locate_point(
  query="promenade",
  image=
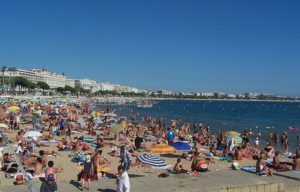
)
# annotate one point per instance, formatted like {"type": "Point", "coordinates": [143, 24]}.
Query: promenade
{"type": "Point", "coordinates": [214, 181]}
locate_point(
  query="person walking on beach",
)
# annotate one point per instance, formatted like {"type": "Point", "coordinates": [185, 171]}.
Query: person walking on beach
{"type": "Point", "coordinates": [286, 142]}
{"type": "Point", "coordinates": [123, 183]}
{"type": "Point", "coordinates": [256, 142]}
{"type": "Point", "coordinates": [68, 130]}
{"type": "Point", "coordinates": [125, 158]}
{"type": "Point", "coordinates": [87, 172]}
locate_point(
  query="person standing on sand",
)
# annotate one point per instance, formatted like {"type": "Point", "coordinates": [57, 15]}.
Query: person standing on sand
{"type": "Point", "coordinates": [125, 158]}
{"type": "Point", "coordinates": [68, 130]}
{"type": "Point", "coordinates": [256, 142]}
{"type": "Point", "coordinates": [123, 183]}
{"type": "Point", "coordinates": [170, 136]}
{"type": "Point", "coordinates": [87, 172]}
{"type": "Point", "coordinates": [286, 142]}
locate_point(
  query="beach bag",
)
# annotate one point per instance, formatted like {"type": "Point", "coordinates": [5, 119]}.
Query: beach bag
{"type": "Point", "coordinates": [235, 166]}
{"type": "Point", "coordinates": [11, 171]}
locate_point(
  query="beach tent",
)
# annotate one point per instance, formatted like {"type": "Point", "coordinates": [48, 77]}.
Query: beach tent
{"type": "Point", "coordinates": [161, 149]}
{"type": "Point", "coordinates": [153, 161]}
{"type": "Point", "coordinates": [182, 146]}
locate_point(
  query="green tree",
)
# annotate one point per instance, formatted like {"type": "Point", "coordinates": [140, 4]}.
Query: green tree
{"type": "Point", "coordinates": [43, 85]}
{"type": "Point", "coordinates": [31, 85]}
{"type": "Point", "coordinates": [3, 69]}
{"type": "Point", "coordinates": [70, 89]}
{"type": "Point", "coordinates": [10, 80]}
{"type": "Point", "coordinates": [60, 89]}
{"type": "Point", "coordinates": [21, 81]}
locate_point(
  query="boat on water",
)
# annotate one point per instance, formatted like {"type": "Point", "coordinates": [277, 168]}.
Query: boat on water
{"type": "Point", "coordinates": [145, 103]}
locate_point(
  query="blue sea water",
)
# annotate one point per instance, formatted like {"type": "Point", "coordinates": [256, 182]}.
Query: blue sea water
{"type": "Point", "coordinates": [260, 116]}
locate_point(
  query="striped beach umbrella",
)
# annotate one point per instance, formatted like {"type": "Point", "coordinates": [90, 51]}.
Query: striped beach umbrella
{"type": "Point", "coordinates": [161, 149]}
{"type": "Point", "coordinates": [152, 160]}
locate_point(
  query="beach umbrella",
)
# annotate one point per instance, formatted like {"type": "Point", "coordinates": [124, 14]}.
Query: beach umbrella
{"type": "Point", "coordinates": [122, 118]}
{"type": "Point", "coordinates": [32, 134]}
{"type": "Point", "coordinates": [53, 114]}
{"type": "Point", "coordinates": [161, 149]}
{"type": "Point", "coordinates": [117, 128]}
{"type": "Point", "coordinates": [112, 120]}
{"type": "Point", "coordinates": [2, 125]}
{"type": "Point", "coordinates": [14, 108]}
{"type": "Point", "coordinates": [237, 139]}
{"type": "Point", "coordinates": [181, 146]}
{"type": "Point", "coordinates": [27, 115]}
{"type": "Point", "coordinates": [98, 121]}
{"type": "Point", "coordinates": [152, 160]}
{"type": "Point", "coordinates": [232, 133]}
{"type": "Point", "coordinates": [81, 122]}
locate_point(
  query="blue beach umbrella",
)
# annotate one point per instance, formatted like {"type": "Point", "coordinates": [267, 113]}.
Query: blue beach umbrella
{"type": "Point", "coordinates": [181, 146]}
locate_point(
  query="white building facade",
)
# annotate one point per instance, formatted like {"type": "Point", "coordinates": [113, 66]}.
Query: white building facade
{"type": "Point", "coordinates": [54, 80]}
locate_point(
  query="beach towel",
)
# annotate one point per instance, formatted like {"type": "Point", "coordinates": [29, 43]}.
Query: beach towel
{"type": "Point", "coordinates": [226, 159]}
{"type": "Point", "coordinates": [270, 165]}
{"type": "Point", "coordinates": [252, 169]}
{"type": "Point", "coordinates": [88, 140]}
{"type": "Point", "coordinates": [49, 142]}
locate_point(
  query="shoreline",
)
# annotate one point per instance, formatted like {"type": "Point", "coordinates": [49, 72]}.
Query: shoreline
{"type": "Point", "coordinates": [131, 99]}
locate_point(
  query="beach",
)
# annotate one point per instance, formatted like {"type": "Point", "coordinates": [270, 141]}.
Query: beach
{"type": "Point", "coordinates": [143, 178]}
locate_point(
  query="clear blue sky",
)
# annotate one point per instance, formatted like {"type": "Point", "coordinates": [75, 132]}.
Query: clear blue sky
{"type": "Point", "coordinates": [231, 46]}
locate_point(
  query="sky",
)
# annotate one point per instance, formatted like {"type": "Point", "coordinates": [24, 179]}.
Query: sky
{"type": "Point", "coordinates": [232, 46]}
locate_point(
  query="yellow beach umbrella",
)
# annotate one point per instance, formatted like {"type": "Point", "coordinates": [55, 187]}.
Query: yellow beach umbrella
{"type": "Point", "coordinates": [117, 128]}
{"type": "Point", "coordinates": [233, 133]}
{"type": "Point", "coordinates": [14, 108]}
{"type": "Point", "coordinates": [161, 149]}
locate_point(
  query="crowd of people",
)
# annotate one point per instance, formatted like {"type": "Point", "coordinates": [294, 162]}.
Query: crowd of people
{"type": "Point", "coordinates": [66, 123]}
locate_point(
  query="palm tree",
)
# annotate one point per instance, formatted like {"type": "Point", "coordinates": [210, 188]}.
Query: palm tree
{"type": "Point", "coordinates": [10, 69]}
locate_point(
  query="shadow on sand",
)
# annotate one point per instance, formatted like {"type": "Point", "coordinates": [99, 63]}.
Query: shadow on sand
{"type": "Point", "coordinates": [75, 183]}
{"type": "Point", "coordinates": [171, 155]}
{"type": "Point", "coordinates": [106, 190]}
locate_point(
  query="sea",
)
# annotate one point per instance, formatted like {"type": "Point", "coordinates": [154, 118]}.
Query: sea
{"type": "Point", "coordinates": [262, 117]}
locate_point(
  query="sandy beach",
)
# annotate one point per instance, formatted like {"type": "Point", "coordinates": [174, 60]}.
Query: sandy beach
{"type": "Point", "coordinates": [142, 177]}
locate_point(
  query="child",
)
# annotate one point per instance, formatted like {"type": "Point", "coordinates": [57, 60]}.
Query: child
{"type": "Point", "coordinates": [178, 168]}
